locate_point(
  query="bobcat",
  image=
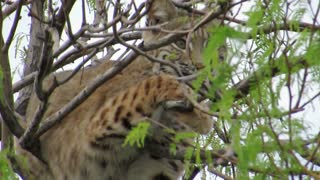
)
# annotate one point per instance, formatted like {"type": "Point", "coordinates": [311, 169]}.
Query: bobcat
{"type": "Point", "coordinates": [87, 144]}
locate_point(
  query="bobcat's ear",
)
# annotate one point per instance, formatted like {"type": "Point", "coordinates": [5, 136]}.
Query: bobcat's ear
{"type": "Point", "coordinates": [160, 11]}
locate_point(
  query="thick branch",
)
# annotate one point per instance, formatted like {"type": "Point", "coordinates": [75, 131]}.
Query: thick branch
{"type": "Point", "coordinates": [35, 44]}
{"type": "Point", "coordinates": [63, 12]}
{"type": "Point", "coordinates": [33, 54]}
{"type": "Point", "coordinates": [6, 96]}
{"type": "Point", "coordinates": [6, 104]}
{"type": "Point", "coordinates": [27, 140]}
{"type": "Point", "coordinates": [12, 7]}
{"type": "Point", "coordinates": [10, 120]}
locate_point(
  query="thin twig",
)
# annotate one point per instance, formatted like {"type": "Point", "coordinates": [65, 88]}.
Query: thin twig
{"type": "Point", "coordinates": [140, 52]}
{"type": "Point", "coordinates": [13, 28]}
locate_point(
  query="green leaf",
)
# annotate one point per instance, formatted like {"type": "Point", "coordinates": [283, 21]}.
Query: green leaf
{"type": "Point", "coordinates": [184, 135]}
{"type": "Point", "coordinates": [189, 153]}
{"type": "Point", "coordinates": [6, 171]}
{"type": "Point", "coordinates": [173, 148]}
{"type": "Point", "coordinates": [172, 56]}
{"type": "Point", "coordinates": [312, 54]}
{"type": "Point", "coordinates": [137, 135]}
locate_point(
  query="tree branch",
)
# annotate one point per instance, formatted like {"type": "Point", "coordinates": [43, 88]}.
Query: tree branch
{"type": "Point", "coordinates": [71, 56]}
{"type": "Point", "coordinates": [63, 12]}
{"type": "Point", "coordinates": [28, 139]}
{"type": "Point", "coordinates": [14, 27]}
{"type": "Point", "coordinates": [12, 7]}
{"type": "Point", "coordinates": [243, 87]}
{"type": "Point", "coordinates": [84, 94]}
{"type": "Point", "coordinates": [10, 124]}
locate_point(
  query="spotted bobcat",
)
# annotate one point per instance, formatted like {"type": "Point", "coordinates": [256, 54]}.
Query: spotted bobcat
{"type": "Point", "coordinates": [87, 144]}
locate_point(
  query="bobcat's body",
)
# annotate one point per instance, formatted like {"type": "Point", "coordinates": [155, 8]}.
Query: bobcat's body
{"type": "Point", "coordinates": [92, 140]}
{"type": "Point", "coordinates": [87, 144]}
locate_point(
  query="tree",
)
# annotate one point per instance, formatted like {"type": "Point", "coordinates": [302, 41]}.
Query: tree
{"type": "Point", "coordinates": [259, 94]}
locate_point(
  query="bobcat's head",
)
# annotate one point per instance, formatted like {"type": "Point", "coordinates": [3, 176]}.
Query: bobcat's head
{"type": "Point", "coordinates": [165, 15]}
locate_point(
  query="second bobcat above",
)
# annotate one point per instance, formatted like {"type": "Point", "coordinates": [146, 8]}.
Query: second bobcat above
{"type": "Point", "coordinates": [87, 144]}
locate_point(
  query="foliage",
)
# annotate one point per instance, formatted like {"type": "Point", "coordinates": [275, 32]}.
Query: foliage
{"type": "Point", "coordinates": [5, 169]}
{"type": "Point", "coordinates": [137, 135]}
{"type": "Point", "coordinates": [19, 50]}
{"type": "Point", "coordinates": [262, 120]}
{"type": "Point", "coordinates": [264, 132]}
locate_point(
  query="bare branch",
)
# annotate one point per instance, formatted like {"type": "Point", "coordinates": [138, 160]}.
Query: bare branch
{"type": "Point", "coordinates": [71, 56]}
{"type": "Point", "coordinates": [13, 7]}
{"type": "Point", "coordinates": [11, 120]}
{"type": "Point", "coordinates": [140, 52]}
{"type": "Point", "coordinates": [28, 140]}
{"type": "Point", "coordinates": [84, 94]}
{"type": "Point", "coordinates": [10, 123]}
{"type": "Point", "coordinates": [63, 13]}
{"type": "Point", "coordinates": [14, 27]}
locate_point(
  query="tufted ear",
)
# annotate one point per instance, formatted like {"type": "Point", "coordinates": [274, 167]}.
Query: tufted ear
{"type": "Point", "coordinates": [160, 11]}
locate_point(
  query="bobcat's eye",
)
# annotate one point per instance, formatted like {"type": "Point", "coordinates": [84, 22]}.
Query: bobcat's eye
{"type": "Point", "coordinates": [182, 109]}
{"type": "Point", "coordinates": [153, 21]}
{"type": "Point", "coordinates": [181, 43]}
{"type": "Point", "coordinates": [156, 21]}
